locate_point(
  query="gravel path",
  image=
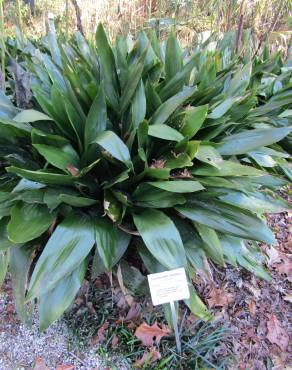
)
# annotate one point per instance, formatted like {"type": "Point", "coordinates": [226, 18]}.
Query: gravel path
{"type": "Point", "coordinates": [20, 346]}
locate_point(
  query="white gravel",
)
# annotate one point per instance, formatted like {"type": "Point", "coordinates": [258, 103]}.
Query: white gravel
{"type": "Point", "coordinates": [20, 346]}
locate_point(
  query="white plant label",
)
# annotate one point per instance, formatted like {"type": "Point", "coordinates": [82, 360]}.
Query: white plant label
{"type": "Point", "coordinates": [168, 286]}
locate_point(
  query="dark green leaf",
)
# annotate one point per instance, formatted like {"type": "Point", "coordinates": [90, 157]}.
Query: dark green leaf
{"type": "Point", "coordinates": [193, 120]}
{"type": "Point", "coordinates": [178, 186]}
{"type": "Point", "coordinates": [133, 78]}
{"type": "Point", "coordinates": [76, 201]}
{"type": "Point", "coordinates": [110, 142]}
{"type": "Point", "coordinates": [208, 154]}
{"type": "Point", "coordinates": [96, 118]}
{"type": "Point", "coordinates": [106, 239]}
{"type": "Point", "coordinates": [196, 306]}
{"type": "Point", "coordinates": [62, 158]}
{"type": "Point", "coordinates": [138, 107]}
{"type": "Point", "coordinates": [5, 243]}
{"type": "Point", "coordinates": [28, 221]}
{"type": "Point", "coordinates": [19, 265]}
{"type": "Point", "coordinates": [147, 196]}
{"type": "Point", "coordinates": [212, 244]}
{"type": "Point", "coordinates": [227, 168]}
{"type": "Point", "coordinates": [123, 241]}
{"type": "Point", "coordinates": [249, 140]}
{"type": "Point", "coordinates": [237, 251]}
{"type": "Point", "coordinates": [164, 111]}
{"type": "Point", "coordinates": [161, 238]}
{"type": "Point", "coordinates": [54, 303]}
{"type": "Point", "coordinates": [44, 177]}
{"type": "Point", "coordinates": [108, 67]}
{"type": "Point", "coordinates": [173, 57]}
{"type": "Point", "coordinates": [67, 247]}
{"type": "Point", "coordinates": [31, 115]}
{"type": "Point", "coordinates": [165, 132]}
{"type": "Point", "coordinates": [228, 219]}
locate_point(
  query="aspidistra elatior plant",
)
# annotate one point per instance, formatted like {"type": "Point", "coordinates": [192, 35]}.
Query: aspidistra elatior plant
{"type": "Point", "coordinates": [136, 148]}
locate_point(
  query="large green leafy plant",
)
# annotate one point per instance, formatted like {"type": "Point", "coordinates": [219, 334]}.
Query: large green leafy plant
{"type": "Point", "coordinates": [133, 149]}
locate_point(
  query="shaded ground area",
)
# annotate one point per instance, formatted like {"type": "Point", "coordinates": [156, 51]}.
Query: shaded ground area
{"type": "Point", "coordinates": [251, 330]}
{"type": "Point", "coordinates": [259, 312]}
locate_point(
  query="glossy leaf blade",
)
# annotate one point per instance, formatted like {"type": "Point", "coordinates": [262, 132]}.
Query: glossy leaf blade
{"type": "Point", "coordinates": [28, 221]}
{"type": "Point", "coordinates": [96, 118]}
{"type": "Point", "coordinates": [164, 111]}
{"type": "Point", "coordinates": [194, 120]}
{"type": "Point", "coordinates": [108, 67]}
{"type": "Point", "coordinates": [228, 219]}
{"type": "Point", "coordinates": [164, 132]}
{"type": "Point", "coordinates": [109, 141]}
{"type": "Point", "coordinates": [178, 186]}
{"type": "Point", "coordinates": [106, 239]}
{"type": "Point", "coordinates": [67, 247]}
{"type": "Point", "coordinates": [161, 238]}
{"type": "Point", "coordinates": [43, 177]}
{"type": "Point", "coordinates": [55, 302]}
{"type": "Point", "coordinates": [61, 158]}
{"type": "Point", "coordinates": [31, 115]}
{"type": "Point", "coordinates": [249, 140]}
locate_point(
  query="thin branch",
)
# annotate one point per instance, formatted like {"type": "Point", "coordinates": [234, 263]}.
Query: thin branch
{"type": "Point", "coordinates": [271, 28]}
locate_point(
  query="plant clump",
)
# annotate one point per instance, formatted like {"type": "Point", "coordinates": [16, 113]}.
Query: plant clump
{"type": "Point", "coordinates": [170, 154]}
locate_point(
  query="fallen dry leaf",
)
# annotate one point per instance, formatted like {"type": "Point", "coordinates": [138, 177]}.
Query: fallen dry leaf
{"type": "Point", "coordinates": [129, 299]}
{"type": "Point", "coordinates": [40, 364]}
{"type": "Point", "coordinates": [276, 334]}
{"type": "Point", "coordinates": [73, 170]}
{"type": "Point", "coordinates": [273, 256]}
{"type": "Point", "coordinates": [151, 334]}
{"type": "Point", "coordinates": [288, 298]}
{"type": "Point", "coordinates": [91, 309]}
{"type": "Point", "coordinates": [133, 314]}
{"type": "Point", "coordinates": [65, 367]}
{"type": "Point", "coordinates": [219, 298]}
{"type": "Point", "coordinates": [255, 291]}
{"type": "Point", "coordinates": [285, 268]}
{"type": "Point", "coordinates": [100, 337]}
{"type": "Point", "coordinates": [115, 341]}
{"type": "Point", "coordinates": [252, 307]}
{"type": "Point", "coordinates": [148, 357]}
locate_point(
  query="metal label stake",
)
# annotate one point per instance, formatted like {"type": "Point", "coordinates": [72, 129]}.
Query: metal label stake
{"type": "Point", "coordinates": [169, 287]}
{"type": "Point", "coordinates": [175, 326]}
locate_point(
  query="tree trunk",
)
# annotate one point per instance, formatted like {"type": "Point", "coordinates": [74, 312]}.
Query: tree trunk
{"type": "Point", "coordinates": [78, 16]}
{"type": "Point", "coordinates": [31, 4]}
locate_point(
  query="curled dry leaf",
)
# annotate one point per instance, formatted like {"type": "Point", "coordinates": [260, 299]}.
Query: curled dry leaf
{"type": "Point", "coordinates": [115, 341]}
{"type": "Point", "coordinates": [148, 357]}
{"type": "Point", "coordinates": [276, 334]}
{"type": "Point", "coordinates": [151, 334]}
{"type": "Point", "coordinates": [219, 298]}
{"type": "Point", "coordinates": [73, 170]}
{"type": "Point", "coordinates": [129, 299]}
{"type": "Point", "coordinates": [40, 364]}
